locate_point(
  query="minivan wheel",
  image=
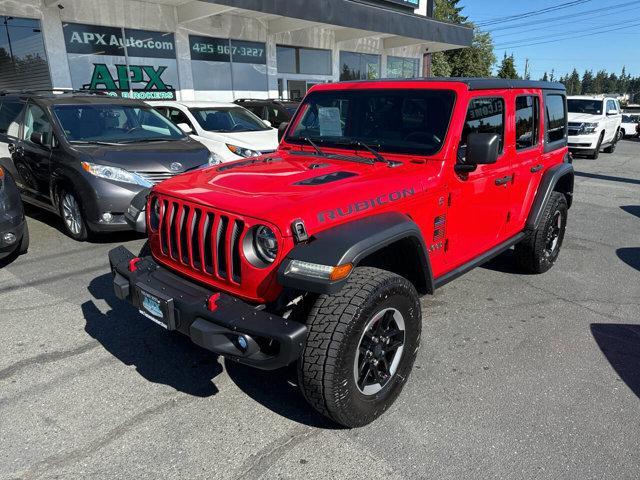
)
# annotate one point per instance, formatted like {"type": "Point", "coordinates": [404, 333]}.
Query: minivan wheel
{"type": "Point", "coordinates": [72, 219]}
{"type": "Point", "coordinates": [361, 346]}
{"type": "Point", "coordinates": [24, 242]}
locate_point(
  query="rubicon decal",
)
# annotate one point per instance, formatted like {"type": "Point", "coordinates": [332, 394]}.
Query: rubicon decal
{"type": "Point", "coordinates": [363, 205]}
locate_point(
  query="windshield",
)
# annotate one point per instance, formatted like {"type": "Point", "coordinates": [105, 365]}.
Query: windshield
{"type": "Point", "coordinates": [394, 121]}
{"type": "Point", "coordinates": [591, 107]}
{"type": "Point", "coordinates": [114, 124]}
{"type": "Point", "coordinates": [228, 119]}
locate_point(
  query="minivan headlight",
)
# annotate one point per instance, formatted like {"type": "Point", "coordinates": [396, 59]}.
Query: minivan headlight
{"type": "Point", "coordinates": [243, 152]}
{"type": "Point", "coordinates": [115, 173]}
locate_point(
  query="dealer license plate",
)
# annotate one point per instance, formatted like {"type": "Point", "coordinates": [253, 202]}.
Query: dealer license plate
{"type": "Point", "coordinates": [152, 308]}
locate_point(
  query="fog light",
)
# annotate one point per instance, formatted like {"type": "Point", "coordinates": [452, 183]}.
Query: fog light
{"type": "Point", "coordinates": [9, 238]}
{"type": "Point", "coordinates": [107, 217]}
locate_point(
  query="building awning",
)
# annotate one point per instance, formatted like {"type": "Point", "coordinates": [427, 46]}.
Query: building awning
{"type": "Point", "coordinates": [352, 19]}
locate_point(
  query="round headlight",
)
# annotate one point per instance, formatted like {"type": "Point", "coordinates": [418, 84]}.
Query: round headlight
{"type": "Point", "coordinates": [154, 214]}
{"type": "Point", "coordinates": [265, 243]}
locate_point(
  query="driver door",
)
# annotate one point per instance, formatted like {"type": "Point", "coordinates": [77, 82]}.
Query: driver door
{"type": "Point", "coordinates": [32, 159]}
{"type": "Point", "coordinates": [479, 200]}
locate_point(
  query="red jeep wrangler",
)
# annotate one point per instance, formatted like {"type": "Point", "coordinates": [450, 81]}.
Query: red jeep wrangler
{"type": "Point", "coordinates": [380, 191]}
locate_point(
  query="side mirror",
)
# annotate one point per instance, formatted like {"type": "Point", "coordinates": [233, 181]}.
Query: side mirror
{"type": "Point", "coordinates": [282, 129]}
{"type": "Point", "coordinates": [482, 149]}
{"type": "Point", "coordinates": [38, 138]}
{"type": "Point", "coordinates": [267, 123]}
{"type": "Point", "coordinates": [185, 128]}
{"type": "Point", "coordinates": [612, 112]}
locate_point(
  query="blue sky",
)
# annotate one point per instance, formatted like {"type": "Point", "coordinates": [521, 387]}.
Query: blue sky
{"type": "Point", "coordinates": [576, 41]}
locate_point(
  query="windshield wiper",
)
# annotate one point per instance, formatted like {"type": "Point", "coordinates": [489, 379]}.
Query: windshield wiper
{"type": "Point", "coordinates": [316, 147]}
{"type": "Point", "coordinates": [91, 142]}
{"type": "Point", "coordinates": [379, 157]}
{"type": "Point", "coordinates": [148, 140]}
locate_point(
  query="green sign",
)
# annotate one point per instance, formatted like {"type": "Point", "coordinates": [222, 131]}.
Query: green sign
{"type": "Point", "coordinates": [144, 81]}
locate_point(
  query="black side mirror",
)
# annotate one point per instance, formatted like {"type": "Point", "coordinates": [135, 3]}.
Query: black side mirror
{"type": "Point", "coordinates": [282, 128]}
{"type": "Point", "coordinates": [38, 138]}
{"type": "Point", "coordinates": [481, 149]}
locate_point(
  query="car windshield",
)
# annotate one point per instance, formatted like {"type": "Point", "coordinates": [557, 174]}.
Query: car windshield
{"type": "Point", "coordinates": [591, 107]}
{"type": "Point", "coordinates": [393, 121]}
{"type": "Point", "coordinates": [228, 119]}
{"type": "Point", "coordinates": [114, 124]}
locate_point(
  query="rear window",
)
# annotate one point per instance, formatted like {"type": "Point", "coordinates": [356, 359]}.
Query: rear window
{"type": "Point", "coordinates": [9, 113]}
{"type": "Point", "coordinates": [556, 118]}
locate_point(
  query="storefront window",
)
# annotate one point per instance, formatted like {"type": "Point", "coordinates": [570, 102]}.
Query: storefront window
{"type": "Point", "coordinates": [310, 61]}
{"type": "Point", "coordinates": [359, 66]}
{"type": "Point", "coordinates": [221, 64]}
{"type": "Point", "coordinates": [400, 67]}
{"type": "Point", "coordinates": [23, 62]}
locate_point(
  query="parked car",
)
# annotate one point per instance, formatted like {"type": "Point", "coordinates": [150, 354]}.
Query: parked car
{"type": "Point", "coordinates": [14, 232]}
{"type": "Point", "coordinates": [274, 111]}
{"type": "Point", "coordinates": [229, 131]}
{"type": "Point", "coordinates": [380, 191]}
{"type": "Point", "coordinates": [594, 125]}
{"type": "Point", "coordinates": [85, 156]}
{"type": "Point", "coordinates": [629, 125]}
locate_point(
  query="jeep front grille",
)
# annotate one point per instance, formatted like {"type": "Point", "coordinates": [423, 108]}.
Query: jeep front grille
{"type": "Point", "coordinates": [202, 239]}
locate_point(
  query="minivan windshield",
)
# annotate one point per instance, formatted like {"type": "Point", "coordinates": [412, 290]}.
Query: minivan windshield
{"type": "Point", "coordinates": [394, 121]}
{"type": "Point", "coordinates": [228, 119]}
{"type": "Point", "coordinates": [591, 107]}
{"type": "Point", "coordinates": [112, 123]}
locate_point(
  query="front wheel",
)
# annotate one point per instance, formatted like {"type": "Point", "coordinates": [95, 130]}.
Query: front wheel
{"type": "Point", "coordinates": [24, 242]}
{"type": "Point", "coordinates": [612, 148]}
{"type": "Point", "coordinates": [72, 218]}
{"type": "Point", "coordinates": [361, 346]}
{"type": "Point", "coordinates": [596, 153]}
{"type": "Point", "coordinates": [540, 248]}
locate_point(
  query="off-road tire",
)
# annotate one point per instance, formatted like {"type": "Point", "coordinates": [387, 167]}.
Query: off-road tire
{"type": "Point", "coordinates": [612, 148]}
{"type": "Point", "coordinates": [596, 153]}
{"type": "Point", "coordinates": [532, 253]}
{"type": "Point", "coordinates": [336, 326]}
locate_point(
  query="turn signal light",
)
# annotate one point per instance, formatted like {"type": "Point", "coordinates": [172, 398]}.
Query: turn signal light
{"type": "Point", "coordinates": [341, 271]}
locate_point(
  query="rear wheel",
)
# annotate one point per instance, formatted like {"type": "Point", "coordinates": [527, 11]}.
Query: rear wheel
{"type": "Point", "coordinates": [361, 346]}
{"type": "Point", "coordinates": [72, 218]}
{"type": "Point", "coordinates": [540, 248]}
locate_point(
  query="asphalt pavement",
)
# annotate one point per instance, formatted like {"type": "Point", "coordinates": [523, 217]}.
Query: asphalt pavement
{"type": "Point", "coordinates": [518, 376]}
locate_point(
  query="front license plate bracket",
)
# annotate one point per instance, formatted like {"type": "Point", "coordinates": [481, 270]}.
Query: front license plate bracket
{"type": "Point", "coordinates": [152, 302]}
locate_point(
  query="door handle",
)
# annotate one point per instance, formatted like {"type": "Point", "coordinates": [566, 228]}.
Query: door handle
{"type": "Point", "coordinates": [504, 180]}
{"type": "Point", "coordinates": [537, 168]}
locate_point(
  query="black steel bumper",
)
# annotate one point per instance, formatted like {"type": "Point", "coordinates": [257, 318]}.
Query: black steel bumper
{"type": "Point", "coordinates": [235, 329]}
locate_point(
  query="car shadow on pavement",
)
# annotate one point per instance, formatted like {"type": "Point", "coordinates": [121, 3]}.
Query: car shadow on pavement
{"type": "Point", "coordinates": [632, 209]}
{"type": "Point", "coordinates": [630, 256]}
{"type": "Point", "coordinates": [620, 344]}
{"type": "Point", "coordinates": [610, 178]}
{"type": "Point", "coordinates": [159, 356]}
{"type": "Point", "coordinates": [277, 391]}
{"type": "Point", "coordinates": [505, 263]}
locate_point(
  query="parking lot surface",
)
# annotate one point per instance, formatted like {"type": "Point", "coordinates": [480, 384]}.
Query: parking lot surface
{"type": "Point", "coordinates": [518, 376]}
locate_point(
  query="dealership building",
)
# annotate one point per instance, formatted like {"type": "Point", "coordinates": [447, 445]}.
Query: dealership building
{"type": "Point", "coordinates": [216, 50]}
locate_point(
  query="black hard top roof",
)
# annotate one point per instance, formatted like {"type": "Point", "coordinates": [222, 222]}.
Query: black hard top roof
{"type": "Point", "coordinates": [478, 83]}
{"type": "Point", "coordinates": [71, 98]}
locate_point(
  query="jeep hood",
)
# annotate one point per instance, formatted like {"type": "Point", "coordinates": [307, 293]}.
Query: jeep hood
{"type": "Point", "coordinates": [283, 187]}
{"type": "Point", "coordinates": [584, 118]}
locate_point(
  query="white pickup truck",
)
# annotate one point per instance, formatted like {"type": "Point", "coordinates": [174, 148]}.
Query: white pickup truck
{"type": "Point", "coordinates": [594, 125]}
{"type": "Point", "coordinates": [629, 127]}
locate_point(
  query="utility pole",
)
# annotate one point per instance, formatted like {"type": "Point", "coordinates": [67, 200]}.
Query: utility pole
{"type": "Point", "coordinates": [526, 69]}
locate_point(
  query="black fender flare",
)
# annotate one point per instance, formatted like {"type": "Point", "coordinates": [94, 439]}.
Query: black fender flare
{"type": "Point", "coordinates": [351, 243]}
{"type": "Point", "coordinates": [563, 174]}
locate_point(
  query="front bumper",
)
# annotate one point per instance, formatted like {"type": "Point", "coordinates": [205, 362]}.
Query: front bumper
{"type": "Point", "coordinates": [15, 225]}
{"type": "Point", "coordinates": [583, 142]}
{"type": "Point", "coordinates": [235, 329]}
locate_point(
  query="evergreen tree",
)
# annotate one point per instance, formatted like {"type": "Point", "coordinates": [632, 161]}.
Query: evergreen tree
{"type": "Point", "coordinates": [508, 68]}
{"type": "Point", "coordinates": [552, 76]}
{"type": "Point", "coordinates": [587, 83]}
{"type": "Point", "coordinates": [574, 85]}
{"type": "Point", "coordinates": [545, 77]}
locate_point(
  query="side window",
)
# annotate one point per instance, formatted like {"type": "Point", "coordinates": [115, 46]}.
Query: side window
{"type": "Point", "coordinates": [9, 117]}
{"type": "Point", "coordinates": [484, 115]}
{"type": "Point", "coordinates": [36, 121]}
{"type": "Point", "coordinates": [527, 121]}
{"type": "Point", "coordinates": [611, 105]}
{"type": "Point", "coordinates": [258, 111]}
{"type": "Point", "coordinates": [164, 111]}
{"type": "Point", "coordinates": [276, 117]}
{"type": "Point", "coordinates": [556, 118]}
{"type": "Point", "coordinates": [178, 116]}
